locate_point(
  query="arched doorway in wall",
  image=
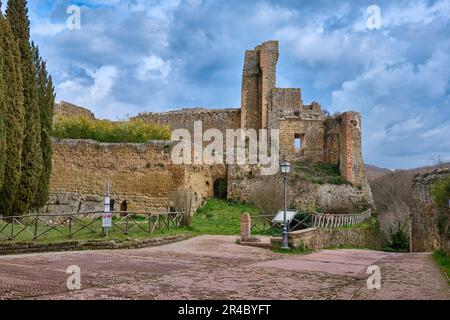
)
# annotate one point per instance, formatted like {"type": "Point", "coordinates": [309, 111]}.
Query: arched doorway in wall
{"type": "Point", "coordinates": [123, 208]}
{"type": "Point", "coordinates": [220, 189]}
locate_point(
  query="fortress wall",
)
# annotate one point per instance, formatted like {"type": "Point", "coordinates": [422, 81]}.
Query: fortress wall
{"type": "Point", "coordinates": [311, 133]}
{"type": "Point", "coordinates": [351, 164]}
{"type": "Point", "coordinates": [241, 181]}
{"type": "Point", "coordinates": [221, 119]}
{"type": "Point", "coordinates": [251, 115]}
{"type": "Point", "coordinates": [65, 109]}
{"type": "Point", "coordinates": [268, 63]}
{"type": "Point", "coordinates": [200, 179]}
{"type": "Point", "coordinates": [333, 134]}
{"type": "Point", "coordinates": [141, 174]}
{"type": "Point", "coordinates": [284, 102]}
{"type": "Point", "coordinates": [425, 235]}
{"type": "Point", "coordinates": [343, 146]}
{"type": "Point", "coordinates": [258, 80]}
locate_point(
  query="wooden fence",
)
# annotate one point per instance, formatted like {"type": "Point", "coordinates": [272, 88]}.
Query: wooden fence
{"type": "Point", "coordinates": [35, 227]}
{"type": "Point", "coordinates": [262, 224]}
{"type": "Point", "coordinates": [329, 221]}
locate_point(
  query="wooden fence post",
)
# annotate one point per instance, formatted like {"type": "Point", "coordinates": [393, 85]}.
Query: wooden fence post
{"type": "Point", "coordinates": [12, 228]}
{"type": "Point", "coordinates": [36, 222]}
{"type": "Point", "coordinates": [70, 227]}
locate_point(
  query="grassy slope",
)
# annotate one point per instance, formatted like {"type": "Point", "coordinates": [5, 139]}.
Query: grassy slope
{"type": "Point", "coordinates": [219, 217]}
{"type": "Point", "coordinates": [443, 261]}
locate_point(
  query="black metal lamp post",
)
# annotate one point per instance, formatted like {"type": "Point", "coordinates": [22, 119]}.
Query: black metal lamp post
{"type": "Point", "coordinates": [285, 169]}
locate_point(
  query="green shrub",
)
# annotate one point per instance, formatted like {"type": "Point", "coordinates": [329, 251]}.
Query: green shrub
{"type": "Point", "coordinates": [441, 196]}
{"type": "Point", "coordinates": [319, 172]}
{"type": "Point", "coordinates": [399, 240]}
{"type": "Point", "coordinates": [443, 261]}
{"type": "Point", "coordinates": [136, 131]}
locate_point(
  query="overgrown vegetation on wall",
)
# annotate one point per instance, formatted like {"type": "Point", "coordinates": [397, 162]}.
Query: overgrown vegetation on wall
{"type": "Point", "coordinates": [26, 104]}
{"type": "Point", "coordinates": [319, 172]}
{"type": "Point", "coordinates": [135, 131]}
{"type": "Point", "coordinates": [441, 196]}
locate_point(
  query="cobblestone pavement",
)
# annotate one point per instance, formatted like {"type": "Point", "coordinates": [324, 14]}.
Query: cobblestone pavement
{"type": "Point", "coordinates": [215, 267]}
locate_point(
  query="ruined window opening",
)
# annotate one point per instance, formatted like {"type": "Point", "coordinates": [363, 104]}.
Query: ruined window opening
{"type": "Point", "coordinates": [124, 206]}
{"type": "Point", "coordinates": [166, 149]}
{"type": "Point", "coordinates": [298, 141]}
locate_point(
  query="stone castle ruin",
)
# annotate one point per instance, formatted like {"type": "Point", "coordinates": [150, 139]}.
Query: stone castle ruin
{"type": "Point", "coordinates": [143, 177]}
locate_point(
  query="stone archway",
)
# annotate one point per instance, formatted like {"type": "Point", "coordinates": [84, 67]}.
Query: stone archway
{"type": "Point", "coordinates": [220, 189]}
{"type": "Point", "coordinates": [123, 208]}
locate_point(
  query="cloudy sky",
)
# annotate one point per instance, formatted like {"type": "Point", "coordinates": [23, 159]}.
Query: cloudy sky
{"type": "Point", "coordinates": [134, 55]}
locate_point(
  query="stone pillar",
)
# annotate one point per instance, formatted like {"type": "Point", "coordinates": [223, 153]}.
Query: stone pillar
{"type": "Point", "coordinates": [351, 164]}
{"type": "Point", "coordinates": [246, 223]}
{"type": "Point", "coordinates": [258, 80]}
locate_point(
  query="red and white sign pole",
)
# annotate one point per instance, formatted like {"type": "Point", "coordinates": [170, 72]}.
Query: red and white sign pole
{"type": "Point", "coordinates": [107, 215]}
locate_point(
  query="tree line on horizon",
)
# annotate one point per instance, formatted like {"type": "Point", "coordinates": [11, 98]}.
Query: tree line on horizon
{"type": "Point", "coordinates": [26, 111]}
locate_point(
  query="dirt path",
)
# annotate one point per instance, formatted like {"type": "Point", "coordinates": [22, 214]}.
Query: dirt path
{"type": "Point", "coordinates": [215, 267]}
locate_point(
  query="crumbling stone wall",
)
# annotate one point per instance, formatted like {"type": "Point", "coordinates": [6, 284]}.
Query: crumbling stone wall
{"type": "Point", "coordinates": [316, 239]}
{"type": "Point", "coordinates": [140, 174]}
{"type": "Point", "coordinates": [425, 235]}
{"type": "Point", "coordinates": [348, 199]}
{"type": "Point", "coordinates": [66, 109]}
{"type": "Point", "coordinates": [311, 133]}
{"type": "Point", "coordinates": [258, 80]}
{"type": "Point", "coordinates": [343, 146]}
{"type": "Point", "coordinates": [221, 119]}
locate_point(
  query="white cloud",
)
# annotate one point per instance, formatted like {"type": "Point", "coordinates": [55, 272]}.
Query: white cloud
{"type": "Point", "coordinates": [435, 132]}
{"type": "Point", "coordinates": [96, 94]}
{"type": "Point", "coordinates": [417, 13]}
{"type": "Point", "coordinates": [153, 68]}
{"type": "Point", "coordinates": [267, 14]}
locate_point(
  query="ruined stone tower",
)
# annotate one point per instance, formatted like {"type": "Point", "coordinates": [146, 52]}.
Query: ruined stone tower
{"type": "Point", "coordinates": [258, 80]}
{"type": "Point", "coordinates": [306, 132]}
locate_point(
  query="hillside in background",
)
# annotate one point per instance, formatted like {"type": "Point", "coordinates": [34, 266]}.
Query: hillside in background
{"type": "Point", "coordinates": [374, 172]}
{"type": "Point", "coordinates": [392, 195]}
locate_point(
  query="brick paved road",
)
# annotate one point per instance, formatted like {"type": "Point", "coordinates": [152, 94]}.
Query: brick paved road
{"type": "Point", "coordinates": [215, 267]}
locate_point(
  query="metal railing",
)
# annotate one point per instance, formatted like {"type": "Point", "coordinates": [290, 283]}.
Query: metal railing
{"type": "Point", "coordinates": [37, 226]}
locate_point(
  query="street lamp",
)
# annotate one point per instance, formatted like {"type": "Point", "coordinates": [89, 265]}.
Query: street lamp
{"type": "Point", "coordinates": [285, 169]}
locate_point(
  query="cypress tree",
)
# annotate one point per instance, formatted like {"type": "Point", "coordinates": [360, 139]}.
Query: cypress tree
{"type": "Point", "coordinates": [2, 111]}
{"type": "Point", "coordinates": [46, 103]}
{"type": "Point", "coordinates": [17, 15]}
{"type": "Point", "coordinates": [13, 116]}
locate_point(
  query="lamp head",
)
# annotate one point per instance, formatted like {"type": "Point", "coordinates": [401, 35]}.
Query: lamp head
{"type": "Point", "coordinates": [285, 167]}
